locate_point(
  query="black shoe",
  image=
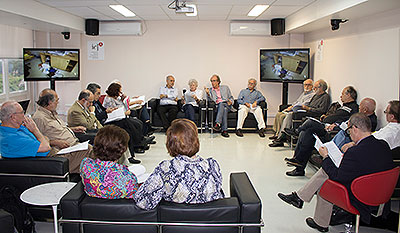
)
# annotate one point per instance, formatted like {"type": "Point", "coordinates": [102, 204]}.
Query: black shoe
{"type": "Point", "coordinates": [239, 133]}
{"type": "Point", "coordinates": [148, 140]}
{"type": "Point", "coordinates": [133, 160]}
{"type": "Point", "coordinates": [225, 134]}
{"type": "Point", "coordinates": [294, 162]}
{"type": "Point", "coordinates": [150, 131]}
{"type": "Point", "coordinates": [261, 133]}
{"type": "Point", "coordinates": [289, 159]}
{"type": "Point", "coordinates": [139, 150]}
{"type": "Point", "coordinates": [340, 216]}
{"type": "Point", "coordinates": [152, 142]}
{"type": "Point", "coordinates": [292, 199]}
{"type": "Point", "coordinates": [276, 144]}
{"type": "Point", "coordinates": [291, 132]}
{"type": "Point", "coordinates": [311, 223]}
{"type": "Point", "coordinates": [273, 137]}
{"type": "Point", "coordinates": [296, 172]}
{"type": "Point", "coordinates": [217, 127]}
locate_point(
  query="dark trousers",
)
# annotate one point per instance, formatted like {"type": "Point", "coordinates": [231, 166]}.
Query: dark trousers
{"type": "Point", "coordinates": [87, 136]}
{"type": "Point", "coordinates": [171, 110]}
{"type": "Point", "coordinates": [133, 127]}
{"type": "Point", "coordinates": [190, 110]}
{"type": "Point", "coordinates": [143, 115]}
{"type": "Point", "coordinates": [306, 141]}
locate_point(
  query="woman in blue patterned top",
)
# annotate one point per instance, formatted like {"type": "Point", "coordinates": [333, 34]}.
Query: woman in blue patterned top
{"type": "Point", "coordinates": [102, 176]}
{"type": "Point", "coordinates": [187, 178]}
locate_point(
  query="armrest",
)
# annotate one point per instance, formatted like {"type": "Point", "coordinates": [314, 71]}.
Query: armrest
{"type": "Point", "coordinates": [211, 104]}
{"type": "Point", "coordinates": [70, 202]}
{"type": "Point", "coordinates": [337, 194]}
{"type": "Point", "coordinates": [152, 103]}
{"type": "Point", "coordinates": [58, 166]}
{"type": "Point", "coordinates": [236, 104]}
{"type": "Point", "coordinates": [202, 103]}
{"type": "Point", "coordinates": [263, 104]}
{"type": "Point", "coordinates": [249, 201]}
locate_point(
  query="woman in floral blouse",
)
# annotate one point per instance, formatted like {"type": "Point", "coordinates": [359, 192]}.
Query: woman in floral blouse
{"type": "Point", "coordinates": [102, 176]}
{"type": "Point", "coordinates": [187, 178]}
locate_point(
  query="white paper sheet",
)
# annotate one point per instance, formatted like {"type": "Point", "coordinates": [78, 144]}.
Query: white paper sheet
{"type": "Point", "coordinates": [117, 114]}
{"type": "Point", "coordinates": [142, 97]}
{"type": "Point", "coordinates": [333, 151]}
{"type": "Point", "coordinates": [139, 171]}
{"type": "Point", "coordinates": [77, 147]}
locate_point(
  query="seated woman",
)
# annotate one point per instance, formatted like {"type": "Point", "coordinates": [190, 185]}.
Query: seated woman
{"type": "Point", "coordinates": [102, 176]}
{"type": "Point", "coordinates": [187, 178]}
{"type": "Point", "coordinates": [191, 100]}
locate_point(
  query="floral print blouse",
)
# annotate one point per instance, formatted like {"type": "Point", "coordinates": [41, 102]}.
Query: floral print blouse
{"type": "Point", "coordinates": [181, 180]}
{"type": "Point", "coordinates": [107, 179]}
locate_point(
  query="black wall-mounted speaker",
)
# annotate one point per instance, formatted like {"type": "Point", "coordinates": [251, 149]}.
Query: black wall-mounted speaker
{"type": "Point", "coordinates": [277, 27]}
{"type": "Point", "coordinates": [92, 27]}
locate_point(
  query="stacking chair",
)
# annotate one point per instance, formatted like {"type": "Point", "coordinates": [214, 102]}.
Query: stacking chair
{"type": "Point", "coordinates": [373, 189]}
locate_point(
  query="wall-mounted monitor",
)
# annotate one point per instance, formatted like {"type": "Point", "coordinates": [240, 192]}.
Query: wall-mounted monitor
{"type": "Point", "coordinates": [51, 64]}
{"type": "Point", "coordinates": [284, 65]}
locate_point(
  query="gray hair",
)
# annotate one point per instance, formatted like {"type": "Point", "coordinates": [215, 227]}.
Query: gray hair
{"type": "Point", "coordinates": [252, 79]}
{"type": "Point", "coordinates": [361, 121]}
{"type": "Point", "coordinates": [322, 84]}
{"type": "Point", "coordinates": [85, 94]}
{"type": "Point", "coordinates": [7, 109]}
{"type": "Point", "coordinates": [45, 97]}
{"type": "Point", "coordinates": [193, 81]}
{"type": "Point", "coordinates": [93, 87]}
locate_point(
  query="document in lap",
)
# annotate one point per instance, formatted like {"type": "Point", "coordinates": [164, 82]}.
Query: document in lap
{"type": "Point", "coordinates": [333, 151]}
{"type": "Point", "coordinates": [140, 172]}
{"type": "Point", "coordinates": [77, 147]}
{"type": "Point", "coordinates": [142, 97]}
{"type": "Point", "coordinates": [115, 115]}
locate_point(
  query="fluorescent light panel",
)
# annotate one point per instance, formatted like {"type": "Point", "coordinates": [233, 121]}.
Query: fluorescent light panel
{"type": "Point", "coordinates": [195, 10]}
{"type": "Point", "coordinates": [123, 10]}
{"type": "Point", "coordinates": [257, 10]}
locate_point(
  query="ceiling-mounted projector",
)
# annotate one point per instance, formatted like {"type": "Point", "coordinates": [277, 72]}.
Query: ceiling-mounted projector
{"type": "Point", "coordinates": [180, 7]}
{"type": "Point", "coordinates": [184, 9]}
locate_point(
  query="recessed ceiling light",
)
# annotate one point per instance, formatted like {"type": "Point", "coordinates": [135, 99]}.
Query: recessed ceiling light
{"type": "Point", "coordinates": [123, 10]}
{"type": "Point", "coordinates": [195, 10]}
{"type": "Point", "coordinates": [257, 10]}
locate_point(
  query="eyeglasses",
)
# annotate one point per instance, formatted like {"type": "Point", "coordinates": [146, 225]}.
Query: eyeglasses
{"type": "Point", "coordinates": [21, 112]}
{"type": "Point", "coordinates": [307, 85]}
{"type": "Point", "coordinates": [253, 84]}
{"type": "Point", "coordinates": [348, 129]}
{"type": "Point", "coordinates": [214, 80]}
{"type": "Point", "coordinates": [386, 112]}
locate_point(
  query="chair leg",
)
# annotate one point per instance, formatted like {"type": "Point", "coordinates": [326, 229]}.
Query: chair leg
{"type": "Point", "coordinates": [398, 230]}
{"type": "Point", "coordinates": [357, 222]}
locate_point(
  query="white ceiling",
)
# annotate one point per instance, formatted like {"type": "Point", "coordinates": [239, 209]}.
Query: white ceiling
{"type": "Point", "coordinates": [158, 9]}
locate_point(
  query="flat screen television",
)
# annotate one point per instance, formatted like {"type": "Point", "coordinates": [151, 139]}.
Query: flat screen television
{"type": "Point", "coordinates": [284, 65]}
{"type": "Point", "coordinates": [51, 64]}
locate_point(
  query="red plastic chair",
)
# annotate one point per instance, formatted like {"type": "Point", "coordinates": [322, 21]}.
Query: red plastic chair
{"type": "Point", "coordinates": [373, 189]}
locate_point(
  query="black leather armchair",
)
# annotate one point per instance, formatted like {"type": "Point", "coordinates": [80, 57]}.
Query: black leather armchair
{"type": "Point", "coordinates": [249, 123]}
{"type": "Point", "coordinates": [25, 173]}
{"type": "Point", "coordinates": [156, 120]}
{"type": "Point", "coordinates": [242, 209]}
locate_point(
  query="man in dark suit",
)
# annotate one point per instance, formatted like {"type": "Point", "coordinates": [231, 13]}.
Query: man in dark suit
{"type": "Point", "coordinates": [369, 155]}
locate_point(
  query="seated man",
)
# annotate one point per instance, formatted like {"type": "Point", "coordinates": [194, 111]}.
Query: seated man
{"type": "Point", "coordinates": [168, 102]}
{"type": "Point", "coordinates": [369, 155]}
{"type": "Point", "coordinates": [304, 99]}
{"type": "Point", "coordinates": [391, 132]}
{"type": "Point", "coordinates": [221, 95]}
{"type": "Point", "coordinates": [318, 105]}
{"type": "Point", "coordinates": [81, 114]}
{"type": "Point", "coordinates": [19, 135]}
{"type": "Point", "coordinates": [306, 141]}
{"type": "Point", "coordinates": [53, 127]}
{"type": "Point", "coordinates": [249, 100]}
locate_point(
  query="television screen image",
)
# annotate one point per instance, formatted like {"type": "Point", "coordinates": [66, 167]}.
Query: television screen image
{"type": "Point", "coordinates": [47, 64]}
{"type": "Point", "coordinates": [284, 65]}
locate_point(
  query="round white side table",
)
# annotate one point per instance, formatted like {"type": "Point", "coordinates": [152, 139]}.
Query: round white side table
{"type": "Point", "coordinates": [47, 194]}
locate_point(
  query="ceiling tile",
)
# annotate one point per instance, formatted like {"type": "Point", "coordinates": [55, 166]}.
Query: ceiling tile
{"type": "Point", "coordinates": [214, 10]}
{"type": "Point", "coordinates": [146, 10]}
{"type": "Point", "coordinates": [80, 11]}
{"type": "Point", "coordinates": [293, 3]}
{"type": "Point", "coordinates": [281, 10]}
{"type": "Point", "coordinates": [64, 3]}
{"type": "Point", "coordinates": [241, 9]}
{"type": "Point", "coordinates": [213, 17]}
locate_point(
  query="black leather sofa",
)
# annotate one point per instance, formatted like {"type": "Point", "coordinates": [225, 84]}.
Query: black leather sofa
{"type": "Point", "coordinates": [81, 213]}
{"type": "Point", "coordinates": [6, 221]}
{"type": "Point", "coordinates": [249, 123]}
{"type": "Point", "coordinates": [156, 120]}
{"type": "Point", "coordinates": [25, 173]}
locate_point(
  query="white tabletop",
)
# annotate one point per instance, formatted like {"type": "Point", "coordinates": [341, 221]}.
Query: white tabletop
{"type": "Point", "coordinates": [46, 194]}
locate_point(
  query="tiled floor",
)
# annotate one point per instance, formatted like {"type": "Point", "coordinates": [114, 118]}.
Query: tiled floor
{"type": "Point", "coordinates": [266, 169]}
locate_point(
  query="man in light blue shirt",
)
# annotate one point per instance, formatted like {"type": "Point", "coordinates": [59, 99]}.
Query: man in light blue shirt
{"type": "Point", "coordinates": [19, 135]}
{"type": "Point", "coordinates": [168, 102]}
{"type": "Point", "coordinates": [249, 100]}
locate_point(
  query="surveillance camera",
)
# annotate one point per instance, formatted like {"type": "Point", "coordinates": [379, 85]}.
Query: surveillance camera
{"type": "Point", "coordinates": [67, 35]}
{"type": "Point", "coordinates": [335, 23]}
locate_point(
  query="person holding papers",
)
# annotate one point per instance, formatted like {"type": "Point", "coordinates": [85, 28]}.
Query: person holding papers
{"type": "Point", "coordinates": [305, 143]}
{"type": "Point", "coordinates": [191, 99]}
{"type": "Point", "coordinates": [102, 176]}
{"type": "Point", "coordinates": [369, 155]}
{"type": "Point", "coordinates": [249, 100]}
{"type": "Point", "coordinates": [54, 128]}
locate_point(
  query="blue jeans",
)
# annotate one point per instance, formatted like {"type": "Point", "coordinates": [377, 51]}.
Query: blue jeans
{"type": "Point", "coordinates": [190, 111]}
{"type": "Point", "coordinates": [222, 115]}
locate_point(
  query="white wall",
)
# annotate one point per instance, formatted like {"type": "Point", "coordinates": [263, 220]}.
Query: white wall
{"type": "Point", "coordinates": [187, 50]}
{"type": "Point", "coordinates": [367, 57]}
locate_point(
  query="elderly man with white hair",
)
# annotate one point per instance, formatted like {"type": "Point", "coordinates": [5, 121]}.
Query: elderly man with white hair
{"type": "Point", "coordinates": [249, 100]}
{"type": "Point", "coordinates": [191, 99]}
